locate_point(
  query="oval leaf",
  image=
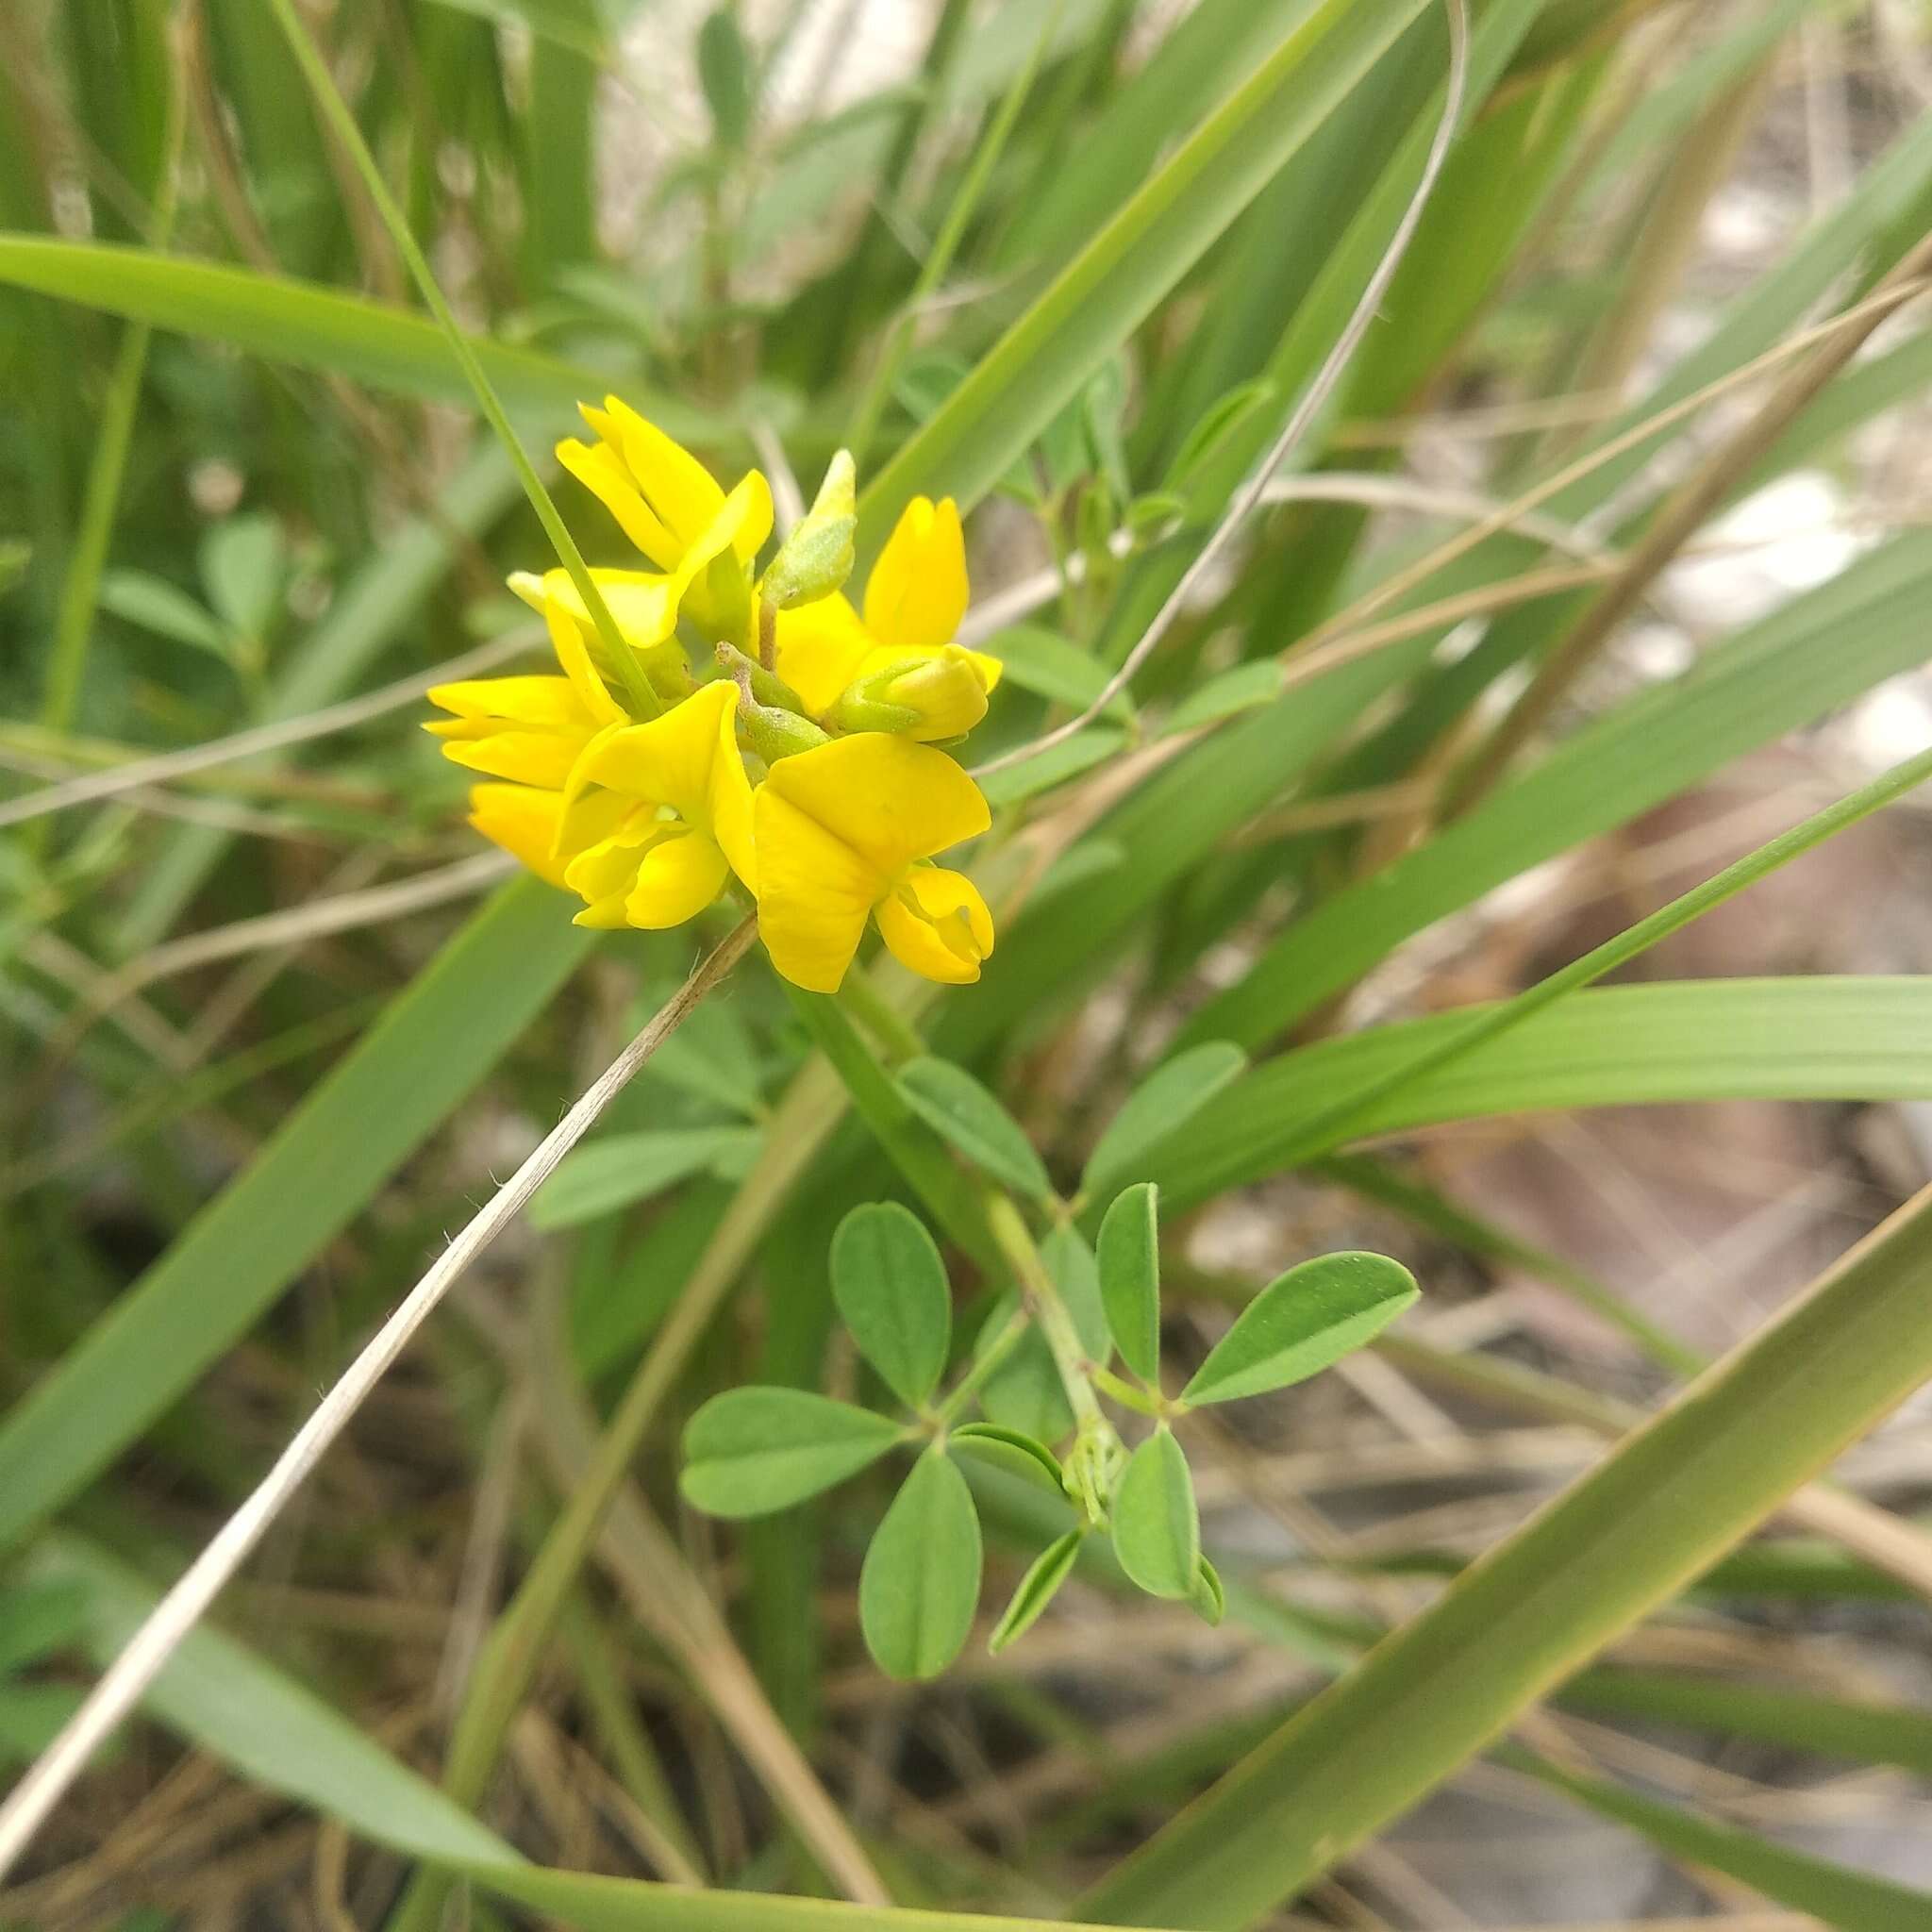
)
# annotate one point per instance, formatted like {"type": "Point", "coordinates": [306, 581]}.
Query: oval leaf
{"type": "Point", "coordinates": [920, 1584]}
{"type": "Point", "coordinates": [1243, 689]}
{"type": "Point", "coordinates": [622, 1169]}
{"type": "Point", "coordinates": [1012, 1451]}
{"type": "Point", "coordinates": [951, 1102]}
{"type": "Point", "coordinates": [1077, 1275]}
{"type": "Point", "coordinates": [1313, 1316]}
{"type": "Point", "coordinates": [890, 1287]}
{"type": "Point", "coordinates": [1130, 1278]}
{"type": "Point", "coordinates": [1157, 1528]}
{"type": "Point", "coordinates": [1207, 1596]}
{"type": "Point", "coordinates": [1049, 1569]}
{"type": "Point", "coordinates": [750, 1450]}
{"type": "Point", "coordinates": [1167, 1099]}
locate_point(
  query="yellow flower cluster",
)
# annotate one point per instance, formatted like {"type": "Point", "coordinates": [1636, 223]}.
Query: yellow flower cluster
{"type": "Point", "coordinates": [799, 753]}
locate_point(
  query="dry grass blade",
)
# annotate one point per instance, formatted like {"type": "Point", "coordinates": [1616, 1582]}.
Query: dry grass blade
{"type": "Point", "coordinates": [177, 1614]}
{"type": "Point", "coordinates": [266, 738]}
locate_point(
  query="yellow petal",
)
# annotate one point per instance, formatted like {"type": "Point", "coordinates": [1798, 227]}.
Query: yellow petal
{"type": "Point", "coordinates": [607, 866]}
{"type": "Point", "coordinates": [526, 822]}
{"type": "Point", "coordinates": [669, 759]}
{"type": "Point", "coordinates": [572, 650]}
{"type": "Point", "coordinates": [600, 469]}
{"type": "Point", "coordinates": [551, 703]}
{"type": "Point", "coordinates": [679, 877]}
{"type": "Point", "coordinates": [728, 799]}
{"type": "Point", "coordinates": [820, 648]}
{"type": "Point", "coordinates": [814, 893]}
{"type": "Point", "coordinates": [530, 757]}
{"type": "Point", "coordinates": [678, 488]}
{"type": "Point", "coordinates": [890, 800]}
{"type": "Point", "coordinates": [917, 592]}
{"type": "Point", "coordinates": [935, 922]}
{"type": "Point", "coordinates": [643, 603]}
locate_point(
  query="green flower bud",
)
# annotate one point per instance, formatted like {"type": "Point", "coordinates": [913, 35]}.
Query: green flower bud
{"type": "Point", "coordinates": [816, 558]}
{"type": "Point", "coordinates": [940, 695]}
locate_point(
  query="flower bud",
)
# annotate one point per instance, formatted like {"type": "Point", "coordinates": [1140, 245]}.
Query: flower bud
{"type": "Point", "coordinates": [816, 557]}
{"type": "Point", "coordinates": [932, 697]}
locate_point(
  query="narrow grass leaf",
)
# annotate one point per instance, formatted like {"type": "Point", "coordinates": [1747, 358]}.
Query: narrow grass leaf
{"type": "Point", "coordinates": [962, 1112]}
{"type": "Point", "coordinates": [262, 1724]}
{"type": "Point", "coordinates": [1170, 1096]}
{"type": "Point", "coordinates": [430, 1050]}
{"type": "Point", "coordinates": [282, 320]}
{"type": "Point", "coordinates": [623, 1169]}
{"type": "Point", "coordinates": [1850, 1899]}
{"type": "Point", "coordinates": [1867, 1038]}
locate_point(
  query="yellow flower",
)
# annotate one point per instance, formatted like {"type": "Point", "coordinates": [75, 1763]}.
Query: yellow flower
{"type": "Point", "coordinates": [683, 816]}
{"type": "Point", "coordinates": [914, 600]}
{"type": "Point", "coordinates": [668, 504]}
{"type": "Point", "coordinates": [532, 730]}
{"type": "Point", "coordinates": [842, 831]}
{"type": "Point", "coordinates": [528, 823]}
{"type": "Point", "coordinates": [527, 729]}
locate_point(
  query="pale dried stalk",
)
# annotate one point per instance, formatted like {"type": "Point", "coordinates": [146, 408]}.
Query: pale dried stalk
{"type": "Point", "coordinates": [1313, 399]}
{"type": "Point", "coordinates": [265, 738]}
{"type": "Point", "coordinates": [177, 1614]}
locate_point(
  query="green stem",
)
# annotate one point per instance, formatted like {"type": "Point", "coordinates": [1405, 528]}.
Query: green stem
{"type": "Point", "coordinates": [892, 1034]}
{"type": "Point", "coordinates": [336, 111]}
{"type": "Point", "coordinates": [976, 1377]}
{"type": "Point", "coordinates": [1042, 1297]}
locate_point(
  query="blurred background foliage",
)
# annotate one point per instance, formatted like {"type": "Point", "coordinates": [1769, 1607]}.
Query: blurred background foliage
{"type": "Point", "coordinates": [1605, 563]}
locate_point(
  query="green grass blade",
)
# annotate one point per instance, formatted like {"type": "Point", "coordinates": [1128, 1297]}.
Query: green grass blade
{"type": "Point", "coordinates": [429, 1050]}
{"type": "Point", "coordinates": [369, 610]}
{"type": "Point", "coordinates": [1865, 1733]}
{"type": "Point", "coordinates": [1852, 1901]}
{"type": "Point", "coordinates": [283, 319]}
{"type": "Point", "coordinates": [1864, 625]}
{"type": "Point", "coordinates": [262, 1724]}
{"type": "Point", "coordinates": [1818, 1038]}
{"type": "Point", "coordinates": [1040, 364]}
{"type": "Point", "coordinates": [1656, 1512]}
